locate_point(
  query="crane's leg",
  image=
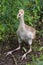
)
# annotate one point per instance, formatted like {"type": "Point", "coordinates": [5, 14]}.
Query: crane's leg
{"type": "Point", "coordinates": [24, 56]}
{"type": "Point", "coordinates": [19, 40]}
{"type": "Point", "coordinates": [10, 52]}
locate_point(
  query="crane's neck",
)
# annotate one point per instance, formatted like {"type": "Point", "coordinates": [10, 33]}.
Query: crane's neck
{"type": "Point", "coordinates": [22, 24]}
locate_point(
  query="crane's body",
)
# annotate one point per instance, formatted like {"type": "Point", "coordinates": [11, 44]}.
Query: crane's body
{"type": "Point", "coordinates": [25, 34]}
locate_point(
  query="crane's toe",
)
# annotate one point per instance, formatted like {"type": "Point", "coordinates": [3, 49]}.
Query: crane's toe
{"type": "Point", "coordinates": [10, 52]}
{"type": "Point", "coordinates": [7, 53]}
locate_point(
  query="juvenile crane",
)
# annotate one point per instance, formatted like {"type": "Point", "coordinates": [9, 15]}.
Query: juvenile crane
{"type": "Point", "coordinates": [25, 33]}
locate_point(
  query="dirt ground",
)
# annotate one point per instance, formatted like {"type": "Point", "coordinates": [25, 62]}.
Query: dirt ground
{"type": "Point", "coordinates": [15, 58]}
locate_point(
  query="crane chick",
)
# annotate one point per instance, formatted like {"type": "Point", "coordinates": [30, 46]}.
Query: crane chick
{"type": "Point", "coordinates": [25, 33]}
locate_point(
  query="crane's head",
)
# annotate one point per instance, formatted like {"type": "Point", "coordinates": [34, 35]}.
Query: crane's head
{"type": "Point", "coordinates": [21, 13]}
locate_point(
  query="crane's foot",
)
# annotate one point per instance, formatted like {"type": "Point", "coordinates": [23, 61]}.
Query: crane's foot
{"type": "Point", "coordinates": [10, 52]}
{"type": "Point", "coordinates": [24, 56]}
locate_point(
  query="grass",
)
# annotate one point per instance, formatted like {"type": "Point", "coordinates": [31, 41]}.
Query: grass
{"type": "Point", "coordinates": [36, 61]}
